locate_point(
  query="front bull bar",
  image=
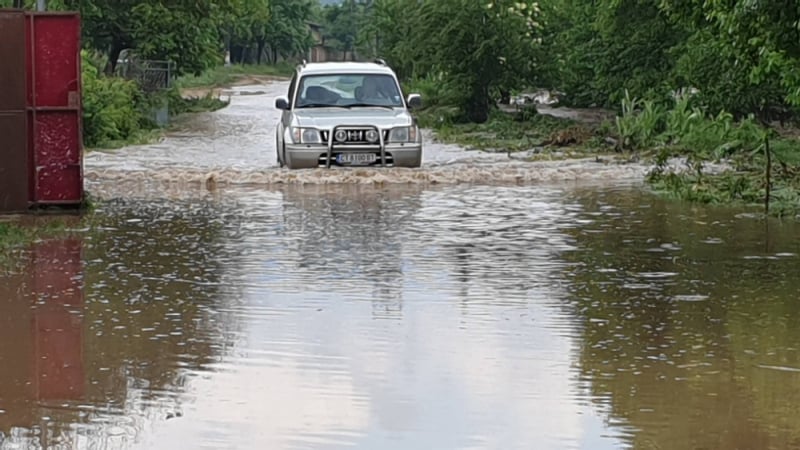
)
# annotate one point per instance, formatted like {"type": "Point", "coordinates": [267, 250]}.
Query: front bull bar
{"type": "Point", "coordinates": [368, 127]}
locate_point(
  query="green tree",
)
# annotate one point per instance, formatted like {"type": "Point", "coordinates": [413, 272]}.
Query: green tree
{"type": "Point", "coordinates": [342, 23]}
{"type": "Point", "coordinates": [385, 30]}
{"type": "Point", "coordinates": [744, 56]}
{"type": "Point", "coordinates": [596, 51]}
{"type": "Point", "coordinates": [246, 30]}
{"type": "Point", "coordinates": [767, 30]}
{"type": "Point", "coordinates": [186, 32]}
{"type": "Point", "coordinates": [477, 49]}
{"type": "Point", "coordinates": [287, 33]}
{"type": "Point", "coordinates": [482, 48]}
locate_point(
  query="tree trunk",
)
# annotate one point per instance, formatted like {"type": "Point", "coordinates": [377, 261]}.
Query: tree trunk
{"type": "Point", "coordinates": [113, 57]}
{"type": "Point", "coordinates": [478, 105]}
{"type": "Point", "coordinates": [768, 175]}
{"type": "Point", "coordinates": [505, 97]}
{"type": "Point", "coordinates": [261, 44]}
{"type": "Point", "coordinates": [237, 54]}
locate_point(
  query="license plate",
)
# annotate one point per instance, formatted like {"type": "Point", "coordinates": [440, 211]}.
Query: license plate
{"type": "Point", "coordinates": [356, 158]}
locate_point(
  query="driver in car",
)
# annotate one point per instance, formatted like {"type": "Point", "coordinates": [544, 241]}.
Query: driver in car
{"type": "Point", "coordinates": [371, 91]}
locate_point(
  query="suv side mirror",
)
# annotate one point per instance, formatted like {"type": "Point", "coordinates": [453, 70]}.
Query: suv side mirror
{"type": "Point", "coordinates": [282, 103]}
{"type": "Point", "coordinates": [414, 101]}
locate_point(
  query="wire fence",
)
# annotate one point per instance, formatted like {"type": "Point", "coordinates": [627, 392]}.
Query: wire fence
{"type": "Point", "coordinates": [152, 75]}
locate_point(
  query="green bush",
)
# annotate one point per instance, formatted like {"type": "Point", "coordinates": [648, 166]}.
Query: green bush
{"type": "Point", "coordinates": [110, 110]}
{"type": "Point", "coordinates": [439, 103]}
{"type": "Point", "coordinates": [117, 112]}
{"type": "Point", "coordinates": [645, 124]}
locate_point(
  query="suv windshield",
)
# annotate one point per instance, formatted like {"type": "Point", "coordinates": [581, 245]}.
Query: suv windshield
{"type": "Point", "coordinates": [344, 90]}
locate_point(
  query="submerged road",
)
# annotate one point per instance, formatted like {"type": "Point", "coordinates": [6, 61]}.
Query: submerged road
{"type": "Point", "coordinates": [216, 301]}
{"type": "Point", "coordinates": [236, 146]}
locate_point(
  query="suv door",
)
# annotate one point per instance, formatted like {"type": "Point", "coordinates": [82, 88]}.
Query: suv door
{"type": "Point", "coordinates": [286, 119]}
{"type": "Point", "coordinates": [287, 114]}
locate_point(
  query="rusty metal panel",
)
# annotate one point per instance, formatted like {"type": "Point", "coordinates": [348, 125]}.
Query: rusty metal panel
{"type": "Point", "coordinates": [12, 55]}
{"type": "Point", "coordinates": [54, 106]}
{"type": "Point", "coordinates": [14, 169]}
{"type": "Point", "coordinates": [58, 159]}
{"type": "Point", "coordinates": [13, 163]}
{"type": "Point", "coordinates": [55, 41]}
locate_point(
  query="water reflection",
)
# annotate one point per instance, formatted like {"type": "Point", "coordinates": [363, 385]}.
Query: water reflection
{"type": "Point", "coordinates": [320, 267]}
{"type": "Point", "coordinates": [691, 343]}
{"type": "Point", "coordinates": [42, 341]}
{"type": "Point", "coordinates": [98, 332]}
{"type": "Point", "coordinates": [405, 317]}
{"type": "Point", "coordinates": [349, 237]}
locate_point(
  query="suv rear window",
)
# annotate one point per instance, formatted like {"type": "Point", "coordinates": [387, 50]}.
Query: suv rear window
{"type": "Point", "coordinates": [348, 90]}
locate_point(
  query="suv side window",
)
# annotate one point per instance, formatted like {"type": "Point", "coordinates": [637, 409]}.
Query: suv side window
{"type": "Point", "coordinates": [292, 88]}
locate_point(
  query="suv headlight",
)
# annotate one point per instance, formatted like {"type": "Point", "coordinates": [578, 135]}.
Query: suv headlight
{"type": "Point", "coordinates": [306, 136]}
{"type": "Point", "coordinates": [403, 134]}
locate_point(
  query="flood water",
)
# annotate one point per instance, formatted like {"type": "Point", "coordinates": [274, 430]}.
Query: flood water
{"type": "Point", "coordinates": [398, 315]}
{"type": "Point", "coordinates": [236, 146]}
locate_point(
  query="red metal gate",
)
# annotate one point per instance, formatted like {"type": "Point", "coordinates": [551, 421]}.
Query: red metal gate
{"type": "Point", "coordinates": [54, 108]}
{"type": "Point", "coordinates": [41, 159]}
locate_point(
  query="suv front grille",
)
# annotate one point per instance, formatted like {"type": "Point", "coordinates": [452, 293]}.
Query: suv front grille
{"type": "Point", "coordinates": [355, 136]}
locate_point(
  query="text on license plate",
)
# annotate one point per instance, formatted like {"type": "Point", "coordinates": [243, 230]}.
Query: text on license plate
{"type": "Point", "coordinates": [356, 158]}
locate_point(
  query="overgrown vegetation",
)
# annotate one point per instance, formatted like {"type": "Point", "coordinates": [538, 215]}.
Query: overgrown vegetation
{"type": "Point", "coordinates": [112, 108]}
{"type": "Point", "coordinates": [758, 156]}
{"type": "Point", "coordinates": [225, 75]}
{"type": "Point", "coordinates": [732, 66]}
{"type": "Point", "coordinates": [117, 112]}
{"type": "Point", "coordinates": [542, 136]}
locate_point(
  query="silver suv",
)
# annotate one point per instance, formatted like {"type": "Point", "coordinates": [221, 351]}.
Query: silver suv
{"type": "Point", "coordinates": [347, 114]}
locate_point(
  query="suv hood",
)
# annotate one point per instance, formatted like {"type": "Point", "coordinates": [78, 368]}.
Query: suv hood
{"type": "Point", "coordinates": [327, 118]}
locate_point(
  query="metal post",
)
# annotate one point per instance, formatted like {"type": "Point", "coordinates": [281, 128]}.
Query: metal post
{"type": "Point", "coordinates": [41, 5]}
{"type": "Point", "coordinates": [330, 148]}
{"type": "Point", "coordinates": [383, 148]}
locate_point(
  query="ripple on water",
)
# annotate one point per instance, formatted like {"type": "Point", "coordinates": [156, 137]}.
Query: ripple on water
{"type": "Point", "coordinates": [378, 314]}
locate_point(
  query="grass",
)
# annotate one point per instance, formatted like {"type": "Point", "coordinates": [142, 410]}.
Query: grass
{"type": "Point", "coordinates": [206, 103]}
{"type": "Point", "coordinates": [12, 235]}
{"type": "Point", "coordinates": [18, 232]}
{"type": "Point", "coordinates": [734, 188]}
{"type": "Point", "coordinates": [15, 235]}
{"type": "Point", "coordinates": [690, 132]}
{"type": "Point", "coordinates": [226, 75]}
{"type": "Point", "coordinates": [545, 135]}
{"type": "Point", "coordinates": [139, 137]}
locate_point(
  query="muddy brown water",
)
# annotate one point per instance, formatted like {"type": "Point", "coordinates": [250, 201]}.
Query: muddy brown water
{"type": "Point", "coordinates": [317, 315]}
{"type": "Point", "coordinates": [236, 147]}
